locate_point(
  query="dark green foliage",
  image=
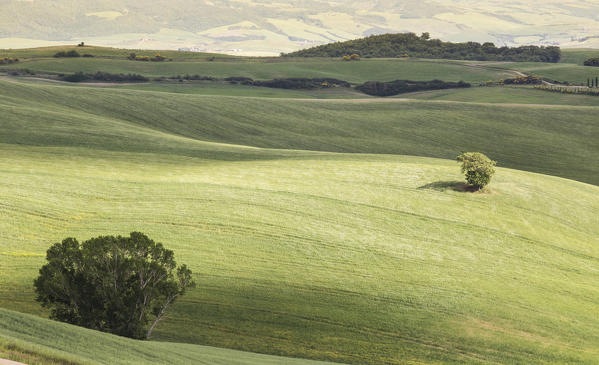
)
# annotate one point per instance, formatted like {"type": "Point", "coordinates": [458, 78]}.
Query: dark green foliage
{"type": "Point", "coordinates": [301, 83]}
{"type": "Point", "coordinates": [478, 168]}
{"type": "Point", "coordinates": [400, 45]}
{"type": "Point", "coordinates": [87, 55]}
{"type": "Point", "coordinates": [239, 80]}
{"type": "Point", "coordinates": [72, 53]}
{"type": "Point", "coordinates": [592, 62]}
{"type": "Point", "coordinates": [104, 76]}
{"type": "Point", "coordinates": [396, 87]}
{"type": "Point", "coordinates": [111, 284]}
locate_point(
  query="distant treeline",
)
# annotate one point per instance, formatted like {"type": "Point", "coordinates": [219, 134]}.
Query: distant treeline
{"type": "Point", "coordinates": [70, 54]}
{"type": "Point", "coordinates": [396, 87]}
{"type": "Point", "coordinates": [292, 83]}
{"type": "Point", "coordinates": [412, 45]}
{"type": "Point", "coordinates": [104, 76]}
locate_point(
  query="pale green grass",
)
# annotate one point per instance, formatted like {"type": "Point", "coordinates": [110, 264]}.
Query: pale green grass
{"type": "Point", "coordinates": [355, 72]}
{"type": "Point", "coordinates": [578, 55]}
{"type": "Point", "coordinates": [506, 95]}
{"type": "Point", "coordinates": [525, 137]}
{"type": "Point", "coordinates": [353, 258]}
{"type": "Point", "coordinates": [40, 341]}
{"type": "Point", "coordinates": [356, 258]}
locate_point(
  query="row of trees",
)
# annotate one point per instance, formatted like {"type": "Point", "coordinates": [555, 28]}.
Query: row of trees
{"type": "Point", "coordinates": [593, 82]}
{"type": "Point", "coordinates": [71, 54]}
{"type": "Point", "coordinates": [156, 58]}
{"type": "Point", "coordinates": [409, 44]}
{"type": "Point", "coordinates": [104, 76]}
{"type": "Point", "coordinates": [390, 88]}
{"type": "Point", "coordinates": [569, 90]}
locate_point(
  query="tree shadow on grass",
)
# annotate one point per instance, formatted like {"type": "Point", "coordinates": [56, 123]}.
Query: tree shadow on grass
{"type": "Point", "coordinates": [449, 185]}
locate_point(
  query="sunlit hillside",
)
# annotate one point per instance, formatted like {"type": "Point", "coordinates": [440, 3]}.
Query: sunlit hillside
{"type": "Point", "coordinates": [262, 27]}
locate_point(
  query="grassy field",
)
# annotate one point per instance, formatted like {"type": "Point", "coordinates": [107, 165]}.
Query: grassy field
{"type": "Point", "coordinates": [355, 72]}
{"type": "Point", "coordinates": [34, 341]}
{"type": "Point", "coordinates": [114, 60]}
{"type": "Point", "coordinates": [349, 257]}
{"type": "Point", "coordinates": [506, 95]}
{"type": "Point", "coordinates": [527, 137]}
{"type": "Point", "coordinates": [578, 55]}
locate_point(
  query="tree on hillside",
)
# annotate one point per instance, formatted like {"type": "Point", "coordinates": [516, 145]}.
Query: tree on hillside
{"type": "Point", "coordinates": [121, 285]}
{"type": "Point", "coordinates": [478, 169]}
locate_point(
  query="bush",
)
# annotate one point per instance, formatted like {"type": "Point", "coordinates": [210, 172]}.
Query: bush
{"type": "Point", "coordinates": [523, 80]}
{"type": "Point", "coordinates": [478, 168]}
{"type": "Point", "coordinates": [111, 284]}
{"type": "Point", "coordinates": [72, 53]}
{"type": "Point", "coordinates": [158, 58]}
{"type": "Point", "coordinates": [592, 62]}
{"type": "Point", "coordinates": [88, 55]}
{"type": "Point", "coordinates": [377, 88]}
{"type": "Point", "coordinates": [8, 60]}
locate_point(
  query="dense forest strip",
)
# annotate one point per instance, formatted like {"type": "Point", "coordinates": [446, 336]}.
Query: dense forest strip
{"type": "Point", "coordinates": [411, 45]}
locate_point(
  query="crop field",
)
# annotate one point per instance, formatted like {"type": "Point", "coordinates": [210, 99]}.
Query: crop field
{"type": "Point", "coordinates": [332, 230]}
{"type": "Point", "coordinates": [355, 72]}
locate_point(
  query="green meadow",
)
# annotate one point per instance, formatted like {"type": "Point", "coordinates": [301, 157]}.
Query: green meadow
{"type": "Point", "coordinates": [334, 230]}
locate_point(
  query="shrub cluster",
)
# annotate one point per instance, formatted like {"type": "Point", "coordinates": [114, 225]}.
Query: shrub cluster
{"type": "Point", "coordinates": [156, 58]}
{"type": "Point", "coordinates": [377, 88]}
{"type": "Point", "coordinates": [104, 76]}
{"type": "Point", "coordinates": [592, 62]}
{"type": "Point", "coordinates": [353, 57]}
{"type": "Point", "coordinates": [523, 80]}
{"type": "Point", "coordinates": [72, 53]}
{"type": "Point", "coordinates": [409, 44]}
{"type": "Point", "coordinates": [8, 60]}
{"type": "Point", "coordinates": [302, 83]}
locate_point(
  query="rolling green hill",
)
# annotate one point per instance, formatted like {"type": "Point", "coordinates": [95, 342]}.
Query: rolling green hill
{"type": "Point", "coordinates": [527, 137]}
{"type": "Point", "coordinates": [355, 72]}
{"type": "Point", "coordinates": [310, 234]}
{"type": "Point", "coordinates": [32, 339]}
{"type": "Point", "coordinates": [114, 60]}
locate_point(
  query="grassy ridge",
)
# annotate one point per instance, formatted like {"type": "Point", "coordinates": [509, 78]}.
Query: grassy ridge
{"type": "Point", "coordinates": [506, 95]}
{"type": "Point", "coordinates": [353, 258]}
{"type": "Point", "coordinates": [49, 341]}
{"type": "Point", "coordinates": [344, 257]}
{"type": "Point", "coordinates": [526, 137]}
{"type": "Point", "coordinates": [355, 72]}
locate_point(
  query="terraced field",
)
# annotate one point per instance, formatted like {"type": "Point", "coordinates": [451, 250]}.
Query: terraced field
{"type": "Point", "coordinates": [311, 231]}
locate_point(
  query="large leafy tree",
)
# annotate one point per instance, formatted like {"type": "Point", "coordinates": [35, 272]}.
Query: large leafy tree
{"type": "Point", "coordinates": [121, 285]}
{"type": "Point", "coordinates": [478, 168]}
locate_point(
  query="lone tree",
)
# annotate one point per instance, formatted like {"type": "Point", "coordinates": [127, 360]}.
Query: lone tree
{"type": "Point", "coordinates": [478, 169]}
{"type": "Point", "coordinates": [121, 285]}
